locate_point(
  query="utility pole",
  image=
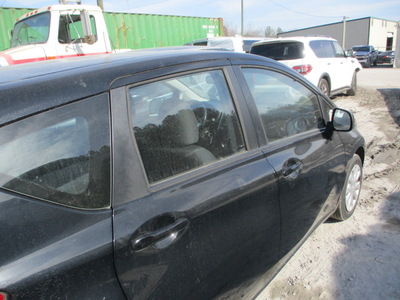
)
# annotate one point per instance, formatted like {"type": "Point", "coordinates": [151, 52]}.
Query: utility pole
{"type": "Point", "coordinates": [344, 34]}
{"type": "Point", "coordinates": [396, 63]}
{"type": "Point", "coordinates": [241, 28]}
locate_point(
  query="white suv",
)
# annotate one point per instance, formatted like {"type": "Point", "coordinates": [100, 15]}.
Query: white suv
{"type": "Point", "coordinates": [321, 60]}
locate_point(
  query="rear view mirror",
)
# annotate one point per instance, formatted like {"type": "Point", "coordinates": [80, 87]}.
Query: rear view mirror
{"type": "Point", "coordinates": [342, 120]}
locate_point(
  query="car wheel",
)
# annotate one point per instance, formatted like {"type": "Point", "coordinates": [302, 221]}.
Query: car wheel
{"type": "Point", "coordinates": [323, 85]}
{"type": "Point", "coordinates": [351, 190]}
{"type": "Point", "coordinates": [353, 88]}
{"type": "Point", "coordinates": [368, 63]}
{"type": "Point", "coordinates": [375, 62]}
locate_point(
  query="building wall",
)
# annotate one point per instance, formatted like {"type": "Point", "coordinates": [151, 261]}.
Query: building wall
{"type": "Point", "coordinates": [332, 30]}
{"type": "Point", "coordinates": [357, 32]}
{"type": "Point", "coordinates": [364, 31]}
{"type": "Point", "coordinates": [383, 31]}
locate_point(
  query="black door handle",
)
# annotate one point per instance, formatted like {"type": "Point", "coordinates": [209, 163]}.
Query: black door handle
{"type": "Point", "coordinates": [162, 237]}
{"type": "Point", "coordinates": [292, 168]}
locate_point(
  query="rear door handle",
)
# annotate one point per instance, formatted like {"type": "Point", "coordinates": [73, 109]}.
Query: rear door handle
{"type": "Point", "coordinates": [161, 238]}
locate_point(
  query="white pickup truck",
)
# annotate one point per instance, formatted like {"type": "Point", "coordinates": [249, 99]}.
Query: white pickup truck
{"type": "Point", "coordinates": [57, 31]}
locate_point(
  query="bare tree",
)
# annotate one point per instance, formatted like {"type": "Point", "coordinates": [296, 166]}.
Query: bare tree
{"type": "Point", "coordinates": [267, 32]}
{"type": "Point", "coordinates": [229, 31]}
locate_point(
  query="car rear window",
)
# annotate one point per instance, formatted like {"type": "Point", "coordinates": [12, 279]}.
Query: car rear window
{"type": "Point", "coordinates": [61, 156]}
{"type": "Point", "coordinates": [280, 51]}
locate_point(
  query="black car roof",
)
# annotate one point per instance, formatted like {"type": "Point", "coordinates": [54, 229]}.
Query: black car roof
{"type": "Point", "coordinates": [29, 88]}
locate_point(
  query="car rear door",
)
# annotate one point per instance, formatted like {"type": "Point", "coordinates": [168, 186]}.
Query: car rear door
{"type": "Point", "coordinates": [308, 162]}
{"type": "Point", "coordinates": [198, 228]}
{"type": "Point", "coordinates": [55, 214]}
{"type": "Point", "coordinates": [344, 66]}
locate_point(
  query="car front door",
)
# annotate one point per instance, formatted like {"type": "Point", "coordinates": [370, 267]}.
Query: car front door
{"type": "Point", "coordinates": [309, 164]}
{"type": "Point", "coordinates": [196, 211]}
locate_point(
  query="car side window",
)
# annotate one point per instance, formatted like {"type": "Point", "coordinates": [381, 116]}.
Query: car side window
{"type": "Point", "coordinates": [339, 52]}
{"type": "Point", "coordinates": [285, 106]}
{"type": "Point", "coordinates": [318, 49]}
{"type": "Point", "coordinates": [61, 156]}
{"type": "Point", "coordinates": [185, 122]}
{"type": "Point", "coordinates": [322, 48]}
{"type": "Point", "coordinates": [70, 28]}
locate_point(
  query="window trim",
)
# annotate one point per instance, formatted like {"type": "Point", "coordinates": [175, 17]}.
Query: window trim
{"type": "Point", "coordinates": [254, 110]}
{"type": "Point", "coordinates": [201, 170]}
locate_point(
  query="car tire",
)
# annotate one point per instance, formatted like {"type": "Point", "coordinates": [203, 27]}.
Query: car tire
{"type": "Point", "coordinates": [375, 62]}
{"type": "Point", "coordinates": [351, 190]}
{"type": "Point", "coordinates": [323, 85]}
{"type": "Point", "coordinates": [353, 88]}
{"type": "Point", "coordinates": [368, 63]}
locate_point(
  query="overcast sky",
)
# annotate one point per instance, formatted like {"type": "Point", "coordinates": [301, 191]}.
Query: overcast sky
{"type": "Point", "coordinates": [286, 14]}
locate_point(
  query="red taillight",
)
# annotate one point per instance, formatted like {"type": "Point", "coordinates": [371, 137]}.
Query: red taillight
{"type": "Point", "coordinates": [303, 69]}
{"type": "Point", "coordinates": [4, 296]}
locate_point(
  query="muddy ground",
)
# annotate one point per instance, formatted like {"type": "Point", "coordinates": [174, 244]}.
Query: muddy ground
{"type": "Point", "coordinates": [358, 258]}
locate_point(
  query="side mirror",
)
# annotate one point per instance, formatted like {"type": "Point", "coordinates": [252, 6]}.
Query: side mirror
{"type": "Point", "coordinates": [342, 120]}
{"type": "Point", "coordinates": [350, 53]}
{"type": "Point", "coordinates": [87, 28]}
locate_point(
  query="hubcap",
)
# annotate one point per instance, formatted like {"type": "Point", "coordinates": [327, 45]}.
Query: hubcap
{"type": "Point", "coordinates": [324, 88]}
{"type": "Point", "coordinates": [353, 188]}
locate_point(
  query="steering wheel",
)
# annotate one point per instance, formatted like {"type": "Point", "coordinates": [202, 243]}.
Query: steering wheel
{"type": "Point", "coordinates": [199, 109]}
{"type": "Point", "coordinates": [296, 125]}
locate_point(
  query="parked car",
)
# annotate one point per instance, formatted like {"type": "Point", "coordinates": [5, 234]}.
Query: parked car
{"type": "Point", "coordinates": [386, 57]}
{"type": "Point", "coordinates": [165, 174]}
{"type": "Point", "coordinates": [249, 41]}
{"type": "Point", "coordinates": [236, 43]}
{"type": "Point", "coordinates": [321, 60]}
{"type": "Point", "coordinates": [366, 55]}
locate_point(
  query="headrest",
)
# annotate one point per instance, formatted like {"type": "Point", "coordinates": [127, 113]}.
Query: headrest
{"type": "Point", "coordinates": [181, 128]}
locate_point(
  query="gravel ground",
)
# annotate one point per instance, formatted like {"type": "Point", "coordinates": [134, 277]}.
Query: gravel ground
{"type": "Point", "coordinates": [358, 258]}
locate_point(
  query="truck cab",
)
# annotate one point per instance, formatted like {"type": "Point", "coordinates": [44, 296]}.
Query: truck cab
{"type": "Point", "coordinates": [57, 31]}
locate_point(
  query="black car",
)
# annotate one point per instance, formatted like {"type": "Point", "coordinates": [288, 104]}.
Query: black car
{"type": "Point", "coordinates": [168, 174]}
{"type": "Point", "coordinates": [386, 57]}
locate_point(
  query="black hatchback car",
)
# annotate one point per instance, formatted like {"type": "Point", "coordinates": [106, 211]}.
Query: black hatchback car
{"type": "Point", "coordinates": [165, 174]}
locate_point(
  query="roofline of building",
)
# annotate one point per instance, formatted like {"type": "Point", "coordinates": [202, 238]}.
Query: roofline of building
{"type": "Point", "coordinates": [336, 23]}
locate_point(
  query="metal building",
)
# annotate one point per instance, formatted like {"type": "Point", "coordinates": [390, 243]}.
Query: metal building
{"type": "Point", "coordinates": [377, 32]}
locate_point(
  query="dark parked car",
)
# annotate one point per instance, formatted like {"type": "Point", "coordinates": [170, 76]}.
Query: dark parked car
{"type": "Point", "coordinates": [184, 174]}
{"type": "Point", "coordinates": [386, 57]}
{"type": "Point", "coordinates": [366, 55]}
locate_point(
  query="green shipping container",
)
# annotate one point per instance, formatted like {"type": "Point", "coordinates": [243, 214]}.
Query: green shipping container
{"type": "Point", "coordinates": [134, 31]}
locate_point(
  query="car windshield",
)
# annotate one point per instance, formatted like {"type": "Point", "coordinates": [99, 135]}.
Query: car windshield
{"type": "Point", "coordinates": [366, 49]}
{"type": "Point", "coordinates": [33, 30]}
{"type": "Point", "coordinates": [280, 51]}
